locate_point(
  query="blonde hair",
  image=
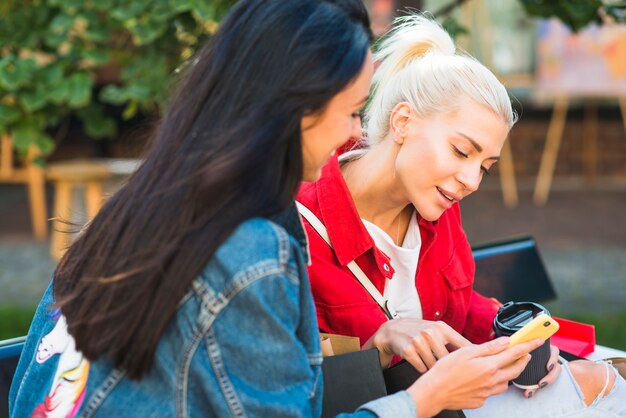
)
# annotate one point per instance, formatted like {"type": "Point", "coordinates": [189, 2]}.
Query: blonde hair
{"type": "Point", "coordinates": [419, 64]}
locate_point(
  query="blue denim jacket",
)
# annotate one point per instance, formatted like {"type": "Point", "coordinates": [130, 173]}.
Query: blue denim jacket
{"type": "Point", "coordinates": [244, 342]}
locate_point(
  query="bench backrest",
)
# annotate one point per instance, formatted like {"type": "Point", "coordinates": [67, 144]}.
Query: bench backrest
{"type": "Point", "coordinates": [10, 351]}
{"type": "Point", "coordinates": [512, 270]}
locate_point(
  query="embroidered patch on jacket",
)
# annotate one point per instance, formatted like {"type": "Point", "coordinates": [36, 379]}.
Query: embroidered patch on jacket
{"type": "Point", "coordinates": [67, 391]}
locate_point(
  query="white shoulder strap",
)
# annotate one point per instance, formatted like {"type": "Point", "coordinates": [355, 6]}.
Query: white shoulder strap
{"type": "Point", "coordinates": [352, 265]}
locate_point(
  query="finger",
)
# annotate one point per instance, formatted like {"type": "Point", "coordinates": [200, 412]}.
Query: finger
{"type": "Point", "coordinates": [452, 337]}
{"type": "Point", "coordinates": [423, 349]}
{"type": "Point", "coordinates": [436, 340]}
{"type": "Point", "coordinates": [513, 353]}
{"type": "Point", "coordinates": [491, 348]}
{"type": "Point", "coordinates": [416, 361]}
{"type": "Point", "coordinates": [514, 369]}
{"type": "Point", "coordinates": [554, 357]}
{"type": "Point", "coordinates": [528, 393]}
{"type": "Point", "coordinates": [440, 351]}
{"type": "Point", "coordinates": [551, 376]}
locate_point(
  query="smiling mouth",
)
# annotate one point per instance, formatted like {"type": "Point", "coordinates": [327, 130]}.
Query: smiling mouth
{"type": "Point", "coordinates": [450, 198]}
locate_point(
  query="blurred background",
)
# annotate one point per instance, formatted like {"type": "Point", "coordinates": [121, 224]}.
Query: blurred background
{"type": "Point", "coordinates": [82, 84]}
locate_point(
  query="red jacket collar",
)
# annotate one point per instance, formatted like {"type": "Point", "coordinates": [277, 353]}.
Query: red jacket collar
{"type": "Point", "coordinates": [347, 233]}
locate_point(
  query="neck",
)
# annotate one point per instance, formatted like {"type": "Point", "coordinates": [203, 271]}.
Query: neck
{"type": "Point", "coordinates": [377, 193]}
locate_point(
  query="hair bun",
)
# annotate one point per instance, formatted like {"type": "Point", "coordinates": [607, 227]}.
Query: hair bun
{"type": "Point", "coordinates": [411, 38]}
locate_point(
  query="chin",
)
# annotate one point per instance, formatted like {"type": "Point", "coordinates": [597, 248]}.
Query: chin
{"type": "Point", "coordinates": [431, 215]}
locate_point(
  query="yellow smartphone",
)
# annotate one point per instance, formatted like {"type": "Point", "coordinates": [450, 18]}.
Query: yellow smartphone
{"type": "Point", "coordinates": [541, 326]}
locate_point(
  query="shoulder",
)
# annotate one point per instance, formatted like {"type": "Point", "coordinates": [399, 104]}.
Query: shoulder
{"type": "Point", "coordinates": [257, 247]}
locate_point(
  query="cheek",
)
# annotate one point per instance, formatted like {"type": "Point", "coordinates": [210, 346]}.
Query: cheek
{"type": "Point", "coordinates": [415, 163]}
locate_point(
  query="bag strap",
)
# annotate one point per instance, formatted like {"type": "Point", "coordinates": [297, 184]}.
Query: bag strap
{"type": "Point", "coordinates": [352, 265]}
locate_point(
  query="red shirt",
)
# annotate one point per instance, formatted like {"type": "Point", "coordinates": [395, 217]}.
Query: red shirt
{"type": "Point", "coordinates": [444, 277]}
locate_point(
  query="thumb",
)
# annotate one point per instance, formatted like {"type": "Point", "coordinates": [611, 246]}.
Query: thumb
{"type": "Point", "coordinates": [493, 347]}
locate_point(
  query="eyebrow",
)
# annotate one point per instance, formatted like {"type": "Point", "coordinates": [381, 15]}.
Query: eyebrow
{"type": "Point", "coordinates": [476, 145]}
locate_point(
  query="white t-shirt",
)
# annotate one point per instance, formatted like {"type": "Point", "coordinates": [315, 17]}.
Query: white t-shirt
{"type": "Point", "coordinates": [400, 290]}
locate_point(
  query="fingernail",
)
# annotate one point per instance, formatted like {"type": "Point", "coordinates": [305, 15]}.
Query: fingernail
{"type": "Point", "coordinates": [550, 367]}
{"type": "Point", "coordinates": [530, 395]}
{"type": "Point", "coordinates": [543, 384]}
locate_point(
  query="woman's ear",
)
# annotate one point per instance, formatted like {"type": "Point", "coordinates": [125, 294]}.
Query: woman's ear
{"type": "Point", "coordinates": [398, 121]}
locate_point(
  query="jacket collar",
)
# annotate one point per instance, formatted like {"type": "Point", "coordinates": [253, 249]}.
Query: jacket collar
{"type": "Point", "coordinates": [290, 220]}
{"type": "Point", "coordinates": [347, 233]}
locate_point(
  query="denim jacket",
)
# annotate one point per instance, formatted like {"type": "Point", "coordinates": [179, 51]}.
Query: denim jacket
{"type": "Point", "coordinates": [244, 342]}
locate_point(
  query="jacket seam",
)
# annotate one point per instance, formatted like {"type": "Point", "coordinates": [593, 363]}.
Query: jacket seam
{"type": "Point", "coordinates": [103, 391]}
{"type": "Point", "coordinates": [215, 304]}
{"type": "Point", "coordinates": [226, 386]}
{"type": "Point", "coordinates": [283, 243]}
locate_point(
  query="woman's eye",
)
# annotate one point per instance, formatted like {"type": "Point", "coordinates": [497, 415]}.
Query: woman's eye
{"type": "Point", "coordinates": [485, 171]}
{"type": "Point", "coordinates": [356, 115]}
{"type": "Point", "coordinates": [459, 152]}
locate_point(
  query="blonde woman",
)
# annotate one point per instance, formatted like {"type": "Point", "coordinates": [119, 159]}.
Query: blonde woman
{"type": "Point", "coordinates": [436, 122]}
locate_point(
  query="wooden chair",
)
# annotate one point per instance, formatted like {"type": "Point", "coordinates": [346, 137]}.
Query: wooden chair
{"type": "Point", "coordinates": [88, 174]}
{"type": "Point", "coordinates": [32, 176]}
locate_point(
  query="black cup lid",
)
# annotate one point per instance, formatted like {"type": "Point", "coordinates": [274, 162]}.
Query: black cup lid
{"type": "Point", "coordinates": [514, 315]}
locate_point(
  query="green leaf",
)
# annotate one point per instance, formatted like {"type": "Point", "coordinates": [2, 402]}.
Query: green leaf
{"type": "Point", "coordinates": [97, 56]}
{"type": "Point", "coordinates": [147, 30]}
{"type": "Point", "coordinates": [67, 4]}
{"type": "Point", "coordinates": [114, 95]}
{"type": "Point", "coordinates": [131, 10]}
{"type": "Point", "coordinates": [104, 5]}
{"type": "Point", "coordinates": [17, 73]}
{"type": "Point", "coordinates": [181, 5]}
{"type": "Point", "coordinates": [51, 74]}
{"type": "Point", "coordinates": [59, 92]}
{"type": "Point", "coordinates": [53, 41]}
{"type": "Point", "coordinates": [204, 9]}
{"type": "Point", "coordinates": [97, 124]}
{"type": "Point", "coordinates": [8, 114]}
{"type": "Point", "coordinates": [24, 135]}
{"type": "Point", "coordinates": [574, 13]}
{"type": "Point", "coordinates": [61, 23]}
{"type": "Point", "coordinates": [33, 100]}
{"type": "Point", "coordinates": [79, 90]}
{"type": "Point", "coordinates": [454, 28]}
{"type": "Point", "coordinates": [45, 143]}
{"type": "Point", "coordinates": [616, 12]}
{"type": "Point", "coordinates": [98, 34]}
{"type": "Point", "coordinates": [130, 110]}
{"type": "Point", "coordinates": [138, 91]}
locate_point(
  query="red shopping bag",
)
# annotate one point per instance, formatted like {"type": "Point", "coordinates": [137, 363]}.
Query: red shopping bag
{"type": "Point", "coordinates": [574, 337]}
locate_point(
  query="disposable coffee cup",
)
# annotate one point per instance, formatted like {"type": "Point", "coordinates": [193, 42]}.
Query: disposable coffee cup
{"type": "Point", "coordinates": [511, 317]}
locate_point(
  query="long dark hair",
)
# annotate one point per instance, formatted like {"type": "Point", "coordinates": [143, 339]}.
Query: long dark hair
{"type": "Point", "coordinates": [228, 149]}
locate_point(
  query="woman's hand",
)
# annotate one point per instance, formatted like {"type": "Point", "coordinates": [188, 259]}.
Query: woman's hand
{"type": "Point", "coordinates": [465, 378]}
{"type": "Point", "coordinates": [418, 341]}
{"type": "Point", "coordinates": [554, 369]}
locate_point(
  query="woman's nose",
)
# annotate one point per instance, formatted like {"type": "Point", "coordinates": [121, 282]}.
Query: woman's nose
{"type": "Point", "coordinates": [470, 178]}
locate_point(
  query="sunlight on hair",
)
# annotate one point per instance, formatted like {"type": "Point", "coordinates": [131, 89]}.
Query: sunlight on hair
{"type": "Point", "coordinates": [419, 64]}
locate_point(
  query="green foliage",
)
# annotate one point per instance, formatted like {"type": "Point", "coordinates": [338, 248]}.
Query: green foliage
{"type": "Point", "coordinates": [610, 328]}
{"type": "Point", "coordinates": [574, 13]}
{"type": "Point", "coordinates": [577, 13]}
{"type": "Point", "coordinates": [15, 321]}
{"type": "Point", "coordinates": [57, 53]}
